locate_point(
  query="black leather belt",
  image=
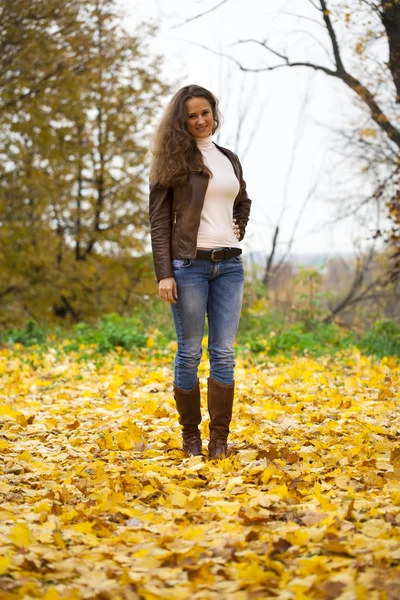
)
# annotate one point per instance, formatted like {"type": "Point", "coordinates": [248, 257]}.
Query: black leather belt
{"type": "Point", "coordinates": [217, 253]}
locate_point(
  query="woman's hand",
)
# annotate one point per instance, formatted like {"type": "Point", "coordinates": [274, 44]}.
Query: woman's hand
{"type": "Point", "coordinates": [167, 289]}
{"type": "Point", "coordinates": [235, 228]}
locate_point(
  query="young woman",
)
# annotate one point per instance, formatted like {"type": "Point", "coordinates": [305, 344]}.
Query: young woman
{"type": "Point", "coordinates": [199, 210]}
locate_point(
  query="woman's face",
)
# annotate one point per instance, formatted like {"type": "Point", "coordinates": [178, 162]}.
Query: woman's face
{"type": "Point", "coordinates": [200, 119]}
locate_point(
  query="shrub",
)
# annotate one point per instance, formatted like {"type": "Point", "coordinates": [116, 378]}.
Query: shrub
{"type": "Point", "coordinates": [300, 338]}
{"type": "Point", "coordinates": [111, 331]}
{"type": "Point", "coordinates": [31, 333]}
{"type": "Point", "coordinates": [383, 339]}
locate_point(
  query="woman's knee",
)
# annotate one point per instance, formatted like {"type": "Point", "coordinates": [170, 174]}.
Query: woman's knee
{"type": "Point", "coordinates": [189, 357]}
{"type": "Point", "coordinates": [225, 354]}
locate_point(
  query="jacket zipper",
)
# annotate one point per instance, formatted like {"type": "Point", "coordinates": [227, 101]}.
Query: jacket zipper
{"type": "Point", "coordinates": [175, 217]}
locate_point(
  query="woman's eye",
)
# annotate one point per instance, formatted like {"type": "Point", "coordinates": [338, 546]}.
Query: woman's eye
{"type": "Point", "coordinates": [205, 113]}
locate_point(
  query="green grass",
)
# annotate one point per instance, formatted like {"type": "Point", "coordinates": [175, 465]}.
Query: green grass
{"type": "Point", "coordinates": [300, 339]}
{"type": "Point", "coordinates": [257, 334]}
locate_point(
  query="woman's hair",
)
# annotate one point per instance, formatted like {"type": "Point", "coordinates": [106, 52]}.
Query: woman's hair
{"type": "Point", "coordinates": [174, 149]}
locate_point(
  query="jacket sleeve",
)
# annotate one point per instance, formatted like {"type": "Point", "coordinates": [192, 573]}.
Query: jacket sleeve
{"type": "Point", "coordinates": [242, 207]}
{"type": "Point", "coordinates": [160, 211]}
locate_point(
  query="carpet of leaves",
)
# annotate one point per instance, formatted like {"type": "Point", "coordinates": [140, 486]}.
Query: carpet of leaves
{"type": "Point", "coordinates": [98, 502]}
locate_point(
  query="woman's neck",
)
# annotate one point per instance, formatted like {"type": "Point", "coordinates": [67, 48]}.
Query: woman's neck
{"type": "Point", "coordinates": [205, 143]}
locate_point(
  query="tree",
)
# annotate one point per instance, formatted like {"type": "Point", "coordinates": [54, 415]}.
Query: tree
{"type": "Point", "coordinates": [40, 40]}
{"type": "Point", "coordinates": [380, 106]}
{"type": "Point", "coordinates": [72, 181]}
{"type": "Point", "coordinates": [376, 88]}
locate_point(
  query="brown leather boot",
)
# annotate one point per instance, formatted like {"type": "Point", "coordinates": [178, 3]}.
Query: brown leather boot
{"type": "Point", "coordinates": [220, 403]}
{"type": "Point", "coordinates": [188, 406]}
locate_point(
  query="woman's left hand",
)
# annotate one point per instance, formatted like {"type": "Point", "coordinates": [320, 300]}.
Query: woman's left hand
{"type": "Point", "coordinates": [235, 228]}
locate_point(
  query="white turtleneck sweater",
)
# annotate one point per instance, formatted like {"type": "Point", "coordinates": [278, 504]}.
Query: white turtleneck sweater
{"type": "Point", "coordinates": [216, 217]}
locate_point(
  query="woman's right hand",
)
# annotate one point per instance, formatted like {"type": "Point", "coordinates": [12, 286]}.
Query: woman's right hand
{"type": "Point", "coordinates": [167, 289]}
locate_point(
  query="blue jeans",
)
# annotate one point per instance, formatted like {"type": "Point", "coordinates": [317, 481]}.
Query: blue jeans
{"type": "Point", "coordinates": [215, 289]}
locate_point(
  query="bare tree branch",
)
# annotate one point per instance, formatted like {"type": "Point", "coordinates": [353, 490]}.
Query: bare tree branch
{"type": "Point", "coordinates": [351, 299]}
{"type": "Point", "coordinates": [332, 35]}
{"type": "Point", "coordinates": [270, 259]}
{"type": "Point", "coordinates": [372, 5]}
{"type": "Point", "coordinates": [255, 129]}
{"type": "Point", "coordinates": [287, 62]}
{"type": "Point", "coordinates": [290, 14]}
{"type": "Point", "coordinates": [363, 92]}
{"type": "Point", "coordinates": [314, 5]}
{"type": "Point", "coordinates": [198, 16]}
{"type": "Point", "coordinates": [377, 113]}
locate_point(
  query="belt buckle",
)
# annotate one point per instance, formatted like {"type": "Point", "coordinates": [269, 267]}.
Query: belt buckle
{"type": "Point", "coordinates": [216, 250]}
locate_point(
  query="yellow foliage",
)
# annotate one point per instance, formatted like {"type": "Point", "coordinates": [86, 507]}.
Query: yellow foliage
{"type": "Point", "coordinates": [4, 564]}
{"type": "Point", "coordinates": [21, 535]}
{"type": "Point", "coordinates": [368, 132]}
{"type": "Point", "coordinates": [98, 493]}
{"type": "Point", "coordinates": [150, 342]}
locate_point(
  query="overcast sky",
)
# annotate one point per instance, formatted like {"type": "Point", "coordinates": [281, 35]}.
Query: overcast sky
{"type": "Point", "coordinates": [286, 143]}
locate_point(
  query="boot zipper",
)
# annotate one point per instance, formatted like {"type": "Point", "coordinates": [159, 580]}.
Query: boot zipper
{"type": "Point", "coordinates": [175, 217]}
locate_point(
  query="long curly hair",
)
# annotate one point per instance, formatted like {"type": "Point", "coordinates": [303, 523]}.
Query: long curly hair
{"type": "Point", "coordinates": [174, 149]}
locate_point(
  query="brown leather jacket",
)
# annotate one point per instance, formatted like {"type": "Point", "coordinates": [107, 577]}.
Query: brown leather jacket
{"type": "Point", "coordinates": [175, 216]}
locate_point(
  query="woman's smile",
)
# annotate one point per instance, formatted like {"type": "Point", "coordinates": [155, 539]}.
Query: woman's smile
{"type": "Point", "coordinates": [200, 117]}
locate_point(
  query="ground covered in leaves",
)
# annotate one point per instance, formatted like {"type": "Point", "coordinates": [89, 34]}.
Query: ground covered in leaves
{"type": "Point", "coordinates": [98, 501]}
